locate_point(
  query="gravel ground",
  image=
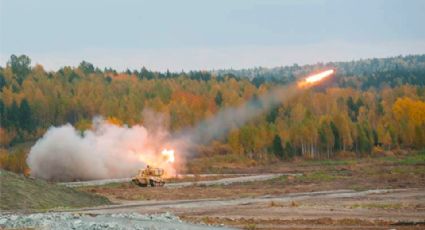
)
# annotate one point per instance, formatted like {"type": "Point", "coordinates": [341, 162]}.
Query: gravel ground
{"type": "Point", "coordinates": [55, 220]}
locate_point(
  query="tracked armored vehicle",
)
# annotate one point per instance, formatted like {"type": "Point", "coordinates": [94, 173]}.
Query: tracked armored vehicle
{"type": "Point", "coordinates": [149, 176]}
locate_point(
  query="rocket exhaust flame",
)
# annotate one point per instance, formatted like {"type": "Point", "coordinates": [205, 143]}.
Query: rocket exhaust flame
{"type": "Point", "coordinates": [319, 76]}
{"type": "Point", "coordinates": [168, 154]}
{"type": "Point", "coordinates": [315, 78]}
{"type": "Point", "coordinates": [312, 79]}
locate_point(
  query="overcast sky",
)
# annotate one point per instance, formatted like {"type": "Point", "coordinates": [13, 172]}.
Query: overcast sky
{"type": "Point", "coordinates": [208, 34]}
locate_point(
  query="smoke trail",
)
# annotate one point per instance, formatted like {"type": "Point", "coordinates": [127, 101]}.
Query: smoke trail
{"type": "Point", "coordinates": [216, 127]}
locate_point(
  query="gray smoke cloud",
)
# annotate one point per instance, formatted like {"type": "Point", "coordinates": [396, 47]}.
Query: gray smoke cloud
{"type": "Point", "coordinates": [217, 126]}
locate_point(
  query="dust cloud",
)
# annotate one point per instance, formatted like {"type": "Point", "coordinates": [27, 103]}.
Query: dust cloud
{"type": "Point", "coordinates": [104, 151]}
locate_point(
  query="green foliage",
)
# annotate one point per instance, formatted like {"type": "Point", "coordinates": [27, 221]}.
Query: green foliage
{"type": "Point", "coordinates": [277, 148]}
{"type": "Point", "coordinates": [415, 159]}
{"type": "Point", "coordinates": [364, 141]}
{"type": "Point", "coordinates": [18, 118]}
{"type": "Point", "coordinates": [317, 176]}
{"type": "Point", "coordinates": [25, 116]}
{"type": "Point", "coordinates": [378, 205]}
{"type": "Point", "coordinates": [329, 162]}
{"type": "Point", "coordinates": [219, 98]}
{"type": "Point", "coordinates": [19, 192]}
{"type": "Point", "coordinates": [289, 150]}
{"type": "Point", "coordinates": [337, 138]}
{"type": "Point", "coordinates": [219, 163]}
{"type": "Point", "coordinates": [12, 116]}
{"type": "Point", "coordinates": [2, 81]}
{"type": "Point", "coordinates": [272, 115]}
{"type": "Point", "coordinates": [86, 67]}
{"type": "Point", "coordinates": [362, 74]}
{"type": "Point", "coordinates": [20, 67]}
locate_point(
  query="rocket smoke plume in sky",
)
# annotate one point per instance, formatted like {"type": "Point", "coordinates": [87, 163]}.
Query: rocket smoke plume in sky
{"type": "Point", "coordinates": [234, 117]}
{"type": "Point", "coordinates": [110, 151]}
{"type": "Point", "coordinates": [217, 126]}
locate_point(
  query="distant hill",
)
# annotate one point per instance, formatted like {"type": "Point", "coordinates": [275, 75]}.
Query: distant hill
{"type": "Point", "coordinates": [19, 192]}
{"type": "Point", "coordinates": [375, 72]}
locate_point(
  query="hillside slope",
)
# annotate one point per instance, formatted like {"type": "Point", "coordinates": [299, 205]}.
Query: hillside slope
{"type": "Point", "coordinates": [19, 192]}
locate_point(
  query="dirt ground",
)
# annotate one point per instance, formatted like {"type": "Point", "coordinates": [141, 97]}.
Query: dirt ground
{"type": "Point", "coordinates": [316, 176]}
{"type": "Point", "coordinates": [377, 193]}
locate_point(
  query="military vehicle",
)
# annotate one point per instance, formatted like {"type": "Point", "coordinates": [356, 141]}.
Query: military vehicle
{"type": "Point", "coordinates": [149, 176]}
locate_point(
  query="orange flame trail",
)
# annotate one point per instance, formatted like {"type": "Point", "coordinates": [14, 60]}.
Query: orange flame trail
{"type": "Point", "coordinates": [315, 78]}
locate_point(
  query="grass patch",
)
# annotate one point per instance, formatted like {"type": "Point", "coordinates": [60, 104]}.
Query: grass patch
{"type": "Point", "coordinates": [220, 164]}
{"type": "Point", "coordinates": [411, 159]}
{"type": "Point", "coordinates": [328, 162]}
{"type": "Point", "coordinates": [390, 159]}
{"type": "Point", "coordinates": [279, 180]}
{"type": "Point", "coordinates": [317, 176]}
{"type": "Point", "coordinates": [402, 170]}
{"type": "Point", "coordinates": [378, 206]}
{"type": "Point", "coordinates": [21, 193]}
{"type": "Point", "coordinates": [108, 186]}
{"type": "Point", "coordinates": [358, 188]}
{"type": "Point", "coordinates": [250, 226]}
{"type": "Point", "coordinates": [415, 159]}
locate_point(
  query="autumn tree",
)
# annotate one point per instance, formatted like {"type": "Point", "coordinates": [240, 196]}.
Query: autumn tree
{"type": "Point", "coordinates": [277, 147]}
{"type": "Point", "coordinates": [20, 67]}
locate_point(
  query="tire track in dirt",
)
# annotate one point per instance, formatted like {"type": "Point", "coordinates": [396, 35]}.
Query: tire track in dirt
{"type": "Point", "coordinates": [224, 181]}
{"type": "Point", "coordinates": [344, 193]}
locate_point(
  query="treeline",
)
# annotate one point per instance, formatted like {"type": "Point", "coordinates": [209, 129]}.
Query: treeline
{"type": "Point", "coordinates": [362, 74]}
{"type": "Point", "coordinates": [358, 112]}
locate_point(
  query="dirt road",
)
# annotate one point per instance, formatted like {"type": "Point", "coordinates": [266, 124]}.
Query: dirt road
{"type": "Point", "coordinates": [365, 208]}
{"type": "Point", "coordinates": [233, 178]}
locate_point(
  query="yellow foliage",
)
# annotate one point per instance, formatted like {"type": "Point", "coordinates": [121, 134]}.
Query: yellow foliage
{"type": "Point", "coordinates": [14, 161]}
{"type": "Point", "coordinates": [114, 121]}
{"type": "Point", "coordinates": [6, 136]}
{"type": "Point", "coordinates": [83, 125]}
{"type": "Point", "coordinates": [234, 142]}
{"type": "Point", "coordinates": [3, 157]}
{"type": "Point", "coordinates": [411, 110]}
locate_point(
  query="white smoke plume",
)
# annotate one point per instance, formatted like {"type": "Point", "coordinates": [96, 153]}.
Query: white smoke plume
{"type": "Point", "coordinates": [105, 151]}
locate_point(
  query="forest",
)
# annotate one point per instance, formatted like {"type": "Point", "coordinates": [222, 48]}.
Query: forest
{"type": "Point", "coordinates": [370, 107]}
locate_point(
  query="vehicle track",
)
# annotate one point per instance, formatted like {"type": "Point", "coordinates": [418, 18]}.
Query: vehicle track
{"type": "Point", "coordinates": [241, 178]}
{"type": "Point", "coordinates": [343, 193]}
